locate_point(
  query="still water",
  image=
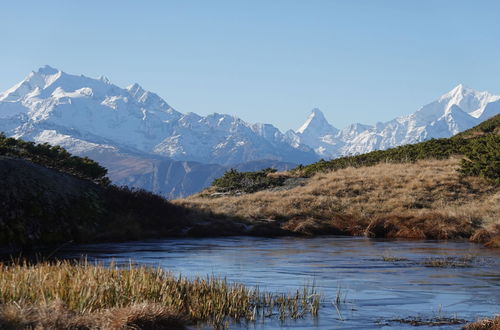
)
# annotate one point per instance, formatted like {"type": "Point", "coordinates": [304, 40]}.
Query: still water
{"type": "Point", "coordinates": [374, 291]}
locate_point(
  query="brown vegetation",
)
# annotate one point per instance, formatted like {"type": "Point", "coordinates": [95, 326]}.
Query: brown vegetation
{"type": "Point", "coordinates": [425, 199]}
{"type": "Point", "coordinates": [55, 315]}
{"type": "Point", "coordinates": [435, 321]}
{"type": "Point", "coordinates": [486, 324]}
{"type": "Point", "coordinates": [64, 295]}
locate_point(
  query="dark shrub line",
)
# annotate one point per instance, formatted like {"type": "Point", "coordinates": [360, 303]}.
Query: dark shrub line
{"type": "Point", "coordinates": [247, 182]}
{"type": "Point", "coordinates": [54, 157]}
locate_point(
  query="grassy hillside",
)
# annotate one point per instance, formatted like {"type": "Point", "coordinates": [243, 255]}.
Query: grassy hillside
{"type": "Point", "coordinates": [446, 188]}
{"type": "Point", "coordinates": [441, 189]}
{"type": "Point", "coordinates": [48, 196]}
{"type": "Point", "coordinates": [460, 144]}
{"type": "Point", "coordinates": [54, 157]}
{"type": "Point", "coordinates": [480, 145]}
{"type": "Point", "coordinates": [44, 206]}
{"type": "Point", "coordinates": [491, 125]}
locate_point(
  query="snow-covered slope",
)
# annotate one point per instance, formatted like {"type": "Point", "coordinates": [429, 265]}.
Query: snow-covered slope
{"type": "Point", "coordinates": [145, 143]}
{"type": "Point", "coordinates": [454, 112]}
{"type": "Point", "coordinates": [79, 113]}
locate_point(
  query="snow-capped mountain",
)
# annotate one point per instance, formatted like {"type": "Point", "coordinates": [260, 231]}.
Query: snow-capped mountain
{"type": "Point", "coordinates": [318, 133]}
{"type": "Point", "coordinates": [454, 112]}
{"type": "Point", "coordinates": [82, 114]}
{"type": "Point", "coordinates": [145, 143]}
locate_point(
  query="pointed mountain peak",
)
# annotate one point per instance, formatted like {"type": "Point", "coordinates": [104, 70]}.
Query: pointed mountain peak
{"type": "Point", "coordinates": [317, 115]}
{"type": "Point", "coordinates": [459, 90]}
{"type": "Point", "coordinates": [316, 122]}
{"type": "Point", "coordinates": [317, 112]}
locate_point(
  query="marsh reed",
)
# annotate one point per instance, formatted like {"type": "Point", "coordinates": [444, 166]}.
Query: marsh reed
{"type": "Point", "coordinates": [96, 296]}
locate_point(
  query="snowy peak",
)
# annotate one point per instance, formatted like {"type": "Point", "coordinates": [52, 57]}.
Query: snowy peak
{"type": "Point", "coordinates": [93, 111]}
{"type": "Point", "coordinates": [47, 70]}
{"type": "Point", "coordinates": [135, 89]}
{"type": "Point", "coordinates": [316, 124]}
{"type": "Point", "coordinates": [34, 82]}
{"type": "Point", "coordinates": [316, 133]}
{"type": "Point", "coordinates": [50, 103]}
{"type": "Point", "coordinates": [459, 109]}
{"type": "Point", "coordinates": [469, 100]}
{"type": "Point", "coordinates": [351, 131]}
{"type": "Point", "coordinates": [150, 100]}
{"type": "Point", "coordinates": [44, 77]}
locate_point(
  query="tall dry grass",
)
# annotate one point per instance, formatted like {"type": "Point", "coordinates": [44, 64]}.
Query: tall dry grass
{"type": "Point", "coordinates": [65, 295]}
{"type": "Point", "coordinates": [425, 199]}
{"type": "Point", "coordinates": [486, 324]}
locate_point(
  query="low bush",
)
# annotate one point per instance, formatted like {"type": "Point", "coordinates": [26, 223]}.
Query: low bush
{"type": "Point", "coordinates": [482, 158]}
{"type": "Point", "coordinates": [432, 149]}
{"type": "Point", "coordinates": [54, 157]}
{"type": "Point", "coordinates": [247, 182]}
{"type": "Point", "coordinates": [480, 144]}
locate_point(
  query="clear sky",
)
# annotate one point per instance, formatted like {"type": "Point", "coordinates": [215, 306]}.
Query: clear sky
{"type": "Point", "coordinates": [264, 61]}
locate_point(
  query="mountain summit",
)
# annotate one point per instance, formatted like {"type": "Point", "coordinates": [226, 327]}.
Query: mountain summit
{"type": "Point", "coordinates": [316, 123]}
{"type": "Point", "coordinates": [134, 131]}
{"type": "Point", "coordinates": [459, 109]}
{"type": "Point", "coordinates": [315, 131]}
{"type": "Point", "coordinates": [83, 113]}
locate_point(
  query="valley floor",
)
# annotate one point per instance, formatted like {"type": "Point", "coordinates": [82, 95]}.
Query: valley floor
{"type": "Point", "coordinates": [423, 200]}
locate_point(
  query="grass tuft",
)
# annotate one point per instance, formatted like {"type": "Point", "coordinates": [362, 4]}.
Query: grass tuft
{"type": "Point", "coordinates": [449, 262]}
{"type": "Point", "coordinates": [64, 295]}
{"type": "Point", "coordinates": [485, 324]}
{"type": "Point", "coordinates": [389, 258]}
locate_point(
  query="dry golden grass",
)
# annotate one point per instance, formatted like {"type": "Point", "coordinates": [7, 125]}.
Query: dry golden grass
{"type": "Point", "coordinates": [55, 315]}
{"type": "Point", "coordinates": [426, 199]}
{"type": "Point", "coordinates": [486, 324]}
{"type": "Point", "coordinates": [82, 296]}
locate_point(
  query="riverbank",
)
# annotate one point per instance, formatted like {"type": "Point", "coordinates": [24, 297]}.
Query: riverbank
{"type": "Point", "coordinates": [437, 189]}
{"type": "Point", "coordinates": [378, 281]}
{"type": "Point", "coordinates": [66, 295]}
{"type": "Point", "coordinates": [421, 200]}
{"type": "Point", "coordinates": [485, 324]}
{"type": "Point", "coordinates": [426, 199]}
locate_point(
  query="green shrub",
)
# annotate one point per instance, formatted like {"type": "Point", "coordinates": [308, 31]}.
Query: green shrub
{"type": "Point", "coordinates": [477, 140]}
{"type": "Point", "coordinates": [486, 127]}
{"type": "Point", "coordinates": [248, 182]}
{"type": "Point", "coordinates": [54, 157]}
{"type": "Point", "coordinates": [435, 149]}
{"type": "Point", "coordinates": [482, 158]}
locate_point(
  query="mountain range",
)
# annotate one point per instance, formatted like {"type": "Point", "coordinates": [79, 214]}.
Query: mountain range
{"type": "Point", "coordinates": [454, 112]}
{"type": "Point", "coordinates": [146, 143]}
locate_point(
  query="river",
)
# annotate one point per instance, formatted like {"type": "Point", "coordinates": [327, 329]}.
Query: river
{"type": "Point", "coordinates": [377, 290]}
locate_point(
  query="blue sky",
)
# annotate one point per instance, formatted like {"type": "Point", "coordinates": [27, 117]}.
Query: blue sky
{"type": "Point", "coordinates": [264, 61]}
